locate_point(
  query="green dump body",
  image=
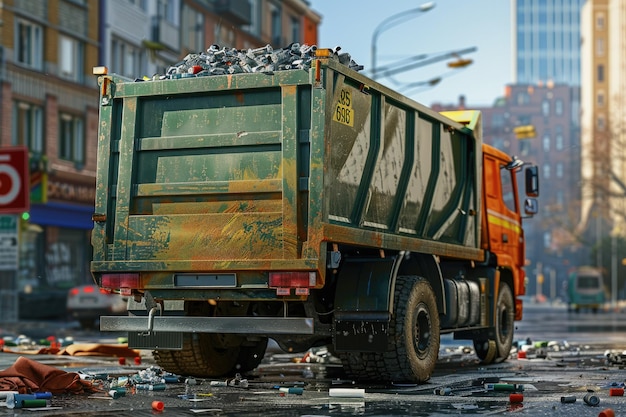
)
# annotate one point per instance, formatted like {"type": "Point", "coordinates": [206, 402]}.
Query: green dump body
{"type": "Point", "coordinates": [251, 173]}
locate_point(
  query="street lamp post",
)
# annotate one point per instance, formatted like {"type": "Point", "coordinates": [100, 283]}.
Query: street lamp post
{"type": "Point", "coordinates": [392, 21]}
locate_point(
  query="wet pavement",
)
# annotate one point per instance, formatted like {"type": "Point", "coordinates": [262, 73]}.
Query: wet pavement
{"type": "Point", "coordinates": [457, 388]}
{"type": "Point", "coordinates": [531, 383]}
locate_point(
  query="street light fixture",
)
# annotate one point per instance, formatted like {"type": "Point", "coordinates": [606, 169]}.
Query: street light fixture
{"type": "Point", "coordinates": [423, 60]}
{"type": "Point", "coordinates": [393, 21]}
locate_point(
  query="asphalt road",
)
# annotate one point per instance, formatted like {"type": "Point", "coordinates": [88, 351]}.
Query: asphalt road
{"type": "Point", "coordinates": [574, 364]}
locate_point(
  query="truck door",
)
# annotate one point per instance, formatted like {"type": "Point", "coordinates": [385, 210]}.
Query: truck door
{"type": "Point", "coordinates": [504, 226]}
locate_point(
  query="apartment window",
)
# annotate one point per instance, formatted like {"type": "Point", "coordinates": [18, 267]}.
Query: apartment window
{"type": "Point", "coordinates": [71, 138]}
{"type": "Point", "coordinates": [546, 143]}
{"type": "Point", "coordinates": [600, 47]}
{"type": "Point", "coordinates": [127, 59]}
{"type": "Point", "coordinates": [558, 107]}
{"type": "Point", "coordinates": [545, 108]}
{"type": "Point", "coordinates": [600, 73]}
{"type": "Point", "coordinates": [559, 170]}
{"type": "Point", "coordinates": [600, 124]}
{"type": "Point", "coordinates": [28, 45]}
{"type": "Point", "coordinates": [139, 3]}
{"type": "Point", "coordinates": [559, 142]}
{"type": "Point", "coordinates": [600, 22]}
{"type": "Point", "coordinates": [169, 11]}
{"type": "Point", "coordinates": [497, 120]}
{"type": "Point", "coordinates": [70, 59]}
{"type": "Point", "coordinates": [255, 22]}
{"type": "Point", "coordinates": [546, 171]}
{"type": "Point", "coordinates": [523, 98]}
{"type": "Point", "coordinates": [192, 29]}
{"type": "Point", "coordinates": [600, 99]}
{"type": "Point", "coordinates": [295, 30]}
{"type": "Point", "coordinates": [276, 25]}
{"type": "Point", "coordinates": [28, 126]}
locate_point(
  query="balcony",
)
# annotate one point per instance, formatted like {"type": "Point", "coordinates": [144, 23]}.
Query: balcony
{"type": "Point", "coordinates": [237, 11]}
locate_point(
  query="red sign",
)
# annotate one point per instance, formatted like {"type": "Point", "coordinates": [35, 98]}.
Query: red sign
{"type": "Point", "coordinates": [14, 181]}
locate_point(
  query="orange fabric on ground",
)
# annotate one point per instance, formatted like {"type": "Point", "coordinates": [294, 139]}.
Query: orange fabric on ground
{"type": "Point", "coordinates": [27, 376]}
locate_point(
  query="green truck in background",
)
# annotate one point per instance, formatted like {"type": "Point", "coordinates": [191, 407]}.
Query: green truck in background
{"type": "Point", "coordinates": [313, 207]}
{"type": "Point", "coordinates": [585, 289]}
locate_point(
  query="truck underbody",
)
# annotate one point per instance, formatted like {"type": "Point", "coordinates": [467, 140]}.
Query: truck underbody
{"type": "Point", "coordinates": [381, 315]}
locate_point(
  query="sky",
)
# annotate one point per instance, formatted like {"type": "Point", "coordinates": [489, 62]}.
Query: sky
{"type": "Point", "coordinates": [450, 26]}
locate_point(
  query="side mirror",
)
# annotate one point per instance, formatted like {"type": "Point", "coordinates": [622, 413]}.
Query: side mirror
{"type": "Point", "coordinates": [532, 181]}
{"type": "Point", "coordinates": [531, 207]}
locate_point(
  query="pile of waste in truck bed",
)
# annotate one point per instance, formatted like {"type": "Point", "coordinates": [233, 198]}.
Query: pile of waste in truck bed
{"type": "Point", "coordinates": [218, 60]}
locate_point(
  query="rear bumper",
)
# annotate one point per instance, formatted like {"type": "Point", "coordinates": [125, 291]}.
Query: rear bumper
{"type": "Point", "coordinates": [240, 325]}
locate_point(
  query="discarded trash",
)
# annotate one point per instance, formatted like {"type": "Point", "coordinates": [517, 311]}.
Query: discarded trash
{"type": "Point", "coordinates": [137, 360]}
{"type": "Point", "coordinates": [521, 354]}
{"type": "Point", "coordinates": [486, 380]}
{"type": "Point", "coordinates": [114, 394]}
{"type": "Point", "coordinates": [238, 381]}
{"type": "Point", "coordinates": [4, 394]}
{"type": "Point", "coordinates": [504, 387]}
{"type": "Point", "coordinates": [151, 387]}
{"type": "Point", "coordinates": [591, 399]}
{"type": "Point", "coordinates": [26, 401]}
{"type": "Point", "coordinates": [443, 391]}
{"type": "Point", "coordinates": [608, 412]}
{"type": "Point", "coordinates": [158, 405]}
{"type": "Point", "coordinates": [219, 383]}
{"type": "Point", "coordinates": [121, 361]}
{"type": "Point", "coordinates": [616, 392]}
{"type": "Point", "coordinates": [346, 392]}
{"type": "Point", "coordinates": [291, 390]}
{"type": "Point", "coordinates": [172, 379]}
{"type": "Point", "coordinates": [516, 398]}
{"type": "Point", "coordinates": [28, 374]}
{"type": "Point", "coordinates": [570, 399]}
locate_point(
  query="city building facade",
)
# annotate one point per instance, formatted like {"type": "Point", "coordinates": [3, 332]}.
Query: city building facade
{"type": "Point", "coordinates": [546, 41]}
{"type": "Point", "coordinates": [49, 103]}
{"type": "Point", "coordinates": [603, 140]}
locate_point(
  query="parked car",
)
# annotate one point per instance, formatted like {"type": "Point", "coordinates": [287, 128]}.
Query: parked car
{"type": "Point", "coordinates": [86, 303]}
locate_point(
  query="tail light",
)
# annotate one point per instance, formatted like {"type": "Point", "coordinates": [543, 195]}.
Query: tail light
{"type": "Point", "coordinates": [124, 282]}
{"type": "Point", "coordinates": [284, 281]}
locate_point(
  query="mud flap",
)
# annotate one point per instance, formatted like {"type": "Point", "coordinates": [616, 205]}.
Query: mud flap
{"type": "Point", "coordinates": [155, 340]}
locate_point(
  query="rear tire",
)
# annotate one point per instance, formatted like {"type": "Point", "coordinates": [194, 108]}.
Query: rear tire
{"type": "Point", "coordinates": [498, 349]}
{"type": "Point", "coordinates": [202, 356]}
{"type": "Point", "coordinates": [413, 338]}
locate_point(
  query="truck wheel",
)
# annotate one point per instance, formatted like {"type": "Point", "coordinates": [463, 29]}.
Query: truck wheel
{"type": "Point", "coordinates": [413, 331]}
{"type": "Point", "coordinates": [202, 356]}
{"type": "Point", "coordinates": [413, 338]}
{"type": "Point", "coordinates": [498, 350]}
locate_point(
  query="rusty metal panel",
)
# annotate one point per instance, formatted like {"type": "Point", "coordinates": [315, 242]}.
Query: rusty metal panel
{"type": "Point", "coordinates": [258, 172]}
{"type": "Point", "coordinates": [393, 167]}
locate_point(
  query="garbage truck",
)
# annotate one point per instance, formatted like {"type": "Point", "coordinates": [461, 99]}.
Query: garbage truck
{"type": "Point", "coordinates": [310, 206]}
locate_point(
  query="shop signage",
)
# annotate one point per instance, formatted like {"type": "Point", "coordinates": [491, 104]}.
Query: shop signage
{"type": "Point", "coordinates": [14, 180]}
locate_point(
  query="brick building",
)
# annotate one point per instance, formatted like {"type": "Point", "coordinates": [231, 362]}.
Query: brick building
{"type": "Point", "coordinates": [48, 103]}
